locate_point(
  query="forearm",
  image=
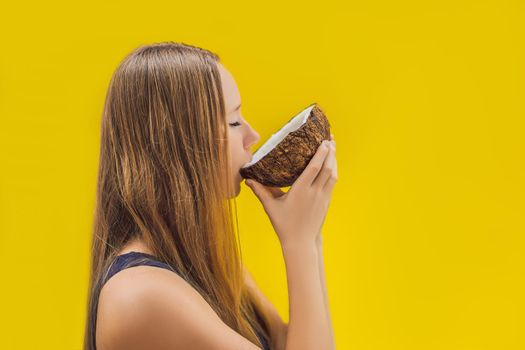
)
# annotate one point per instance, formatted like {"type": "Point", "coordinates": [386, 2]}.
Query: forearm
{"type": "Point", "coordinates": [322, 274]}
{"type": "Point", "coordinates": [308, 326]}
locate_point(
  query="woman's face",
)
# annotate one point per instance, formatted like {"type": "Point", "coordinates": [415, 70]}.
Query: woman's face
{"type": "Point", "coordinates": [241, 136]}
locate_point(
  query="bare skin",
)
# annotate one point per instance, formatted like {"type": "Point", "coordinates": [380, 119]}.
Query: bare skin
{"type": "Point", "coordinates": [241, 136]}
{"type": "Point", "coordinates": [145, 307]}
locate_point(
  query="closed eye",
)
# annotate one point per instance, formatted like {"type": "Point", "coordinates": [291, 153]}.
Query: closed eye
{"type": "Point", "coordinates": [235, 124]}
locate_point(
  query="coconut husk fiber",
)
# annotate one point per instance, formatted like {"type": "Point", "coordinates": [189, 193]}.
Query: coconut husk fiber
{"type": "Point", "coordinates": [278, 163]}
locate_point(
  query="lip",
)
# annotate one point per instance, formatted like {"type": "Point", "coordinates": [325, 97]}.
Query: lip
{"type": "Point", "coordinates": [242, 166]}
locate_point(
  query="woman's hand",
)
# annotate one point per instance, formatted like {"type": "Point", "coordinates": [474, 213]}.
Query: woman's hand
{"type": "Point", "coordinates": [299, 213]}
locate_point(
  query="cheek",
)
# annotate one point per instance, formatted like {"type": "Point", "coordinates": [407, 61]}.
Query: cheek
{"type": "Point", "coordinates": [234, 159]}
{"type": "Point", "coordinates": [235, 148]}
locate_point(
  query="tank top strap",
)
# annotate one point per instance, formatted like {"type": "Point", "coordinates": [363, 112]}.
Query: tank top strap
{"type": "Point", "coordinates": [132, 259]}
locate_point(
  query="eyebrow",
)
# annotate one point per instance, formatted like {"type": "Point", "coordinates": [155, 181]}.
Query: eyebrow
{"type": "Point", "coordinates": [239, 106]}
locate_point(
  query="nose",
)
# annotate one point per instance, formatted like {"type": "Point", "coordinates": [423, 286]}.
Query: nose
{"type": "Point", "coordinates": [253, 138]}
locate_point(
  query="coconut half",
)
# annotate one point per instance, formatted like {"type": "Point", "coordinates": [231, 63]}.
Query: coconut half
{"type": "Point", "coordinates": [282, 159]}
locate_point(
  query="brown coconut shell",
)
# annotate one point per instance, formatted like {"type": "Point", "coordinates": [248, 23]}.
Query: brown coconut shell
{"type": "Point", "coordinates": [281, 166]}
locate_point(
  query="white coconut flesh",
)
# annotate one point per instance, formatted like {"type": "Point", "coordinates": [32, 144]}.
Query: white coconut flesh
{"type": "Point", "coordinates": [294, 124]}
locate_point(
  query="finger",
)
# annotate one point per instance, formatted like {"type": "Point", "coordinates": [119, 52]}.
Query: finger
{"type": "Point", "coordinates": [260, 191]}
{"type": "Point", "coordinates": [326, 171]}
{"type": "Point", "coordinates": [314, 166]}
{"type": "Point", "coordinates": [329, 185]}
{"type": "Point", "coordinates": [264, 192]}
{"type": "Point", "coordinates": [335, 174]}
{"type": "Point", "coordinates": [276, 191]}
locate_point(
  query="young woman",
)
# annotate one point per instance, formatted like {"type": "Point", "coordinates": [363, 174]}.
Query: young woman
{"type": "Point", "coordinates": [166, 268]}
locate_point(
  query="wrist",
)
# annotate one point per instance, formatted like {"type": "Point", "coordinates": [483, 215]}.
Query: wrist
{"type": "Point", "coordinates": [299, 245]}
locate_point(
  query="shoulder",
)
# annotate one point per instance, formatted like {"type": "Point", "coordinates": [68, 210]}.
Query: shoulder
{"type": "Point", "coordinates": [146, 307]}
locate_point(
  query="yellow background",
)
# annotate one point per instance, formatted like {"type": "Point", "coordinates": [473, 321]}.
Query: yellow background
{"type": "Point", "coordinates": [424, 242]}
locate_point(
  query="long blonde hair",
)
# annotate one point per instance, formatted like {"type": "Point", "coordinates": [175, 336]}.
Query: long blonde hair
{"type": "Point", "coordinates": [163, 178]}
